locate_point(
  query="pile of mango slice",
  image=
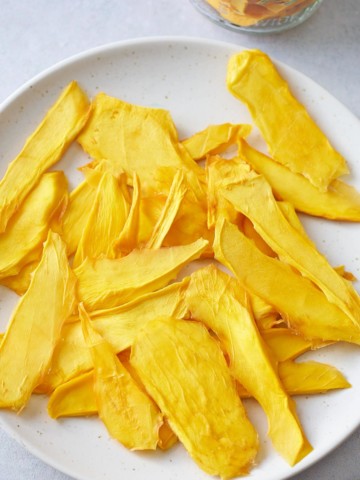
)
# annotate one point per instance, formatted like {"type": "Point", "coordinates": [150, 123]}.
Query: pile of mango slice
{"type": "Point", "coordinates": [160, 356]}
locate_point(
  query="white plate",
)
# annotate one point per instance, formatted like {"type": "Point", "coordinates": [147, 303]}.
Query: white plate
{"type": "Point", "coordinates": [186, 76]}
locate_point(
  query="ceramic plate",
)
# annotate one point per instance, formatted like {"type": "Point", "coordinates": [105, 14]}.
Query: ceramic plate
{"type": "Point", "coordinates": [187, 77]}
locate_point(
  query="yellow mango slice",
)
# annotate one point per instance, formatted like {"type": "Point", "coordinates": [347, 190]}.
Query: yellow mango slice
{"type": "Point", "coordinates": [214, 139]}
{"type": "Point", "coordinates": [114, 130]}
{"type": "Point", "coordinates": [254, 198]}
{"type": "Point", "coordinates": [105, 283]}
{"type": "Point", "coordinates": [300, 302]}
{"type": "Point", "coordinates": [28, 227]}
{"type": "Point", "coordinates": [292, 136]}
{"type": "Point", "coordinates": [215, 299]}
{"type": "Point", "coordinates": [42, 149]}
{"type": "Point", "coordinates": [249, 230]}
{"type": "Point", "coordinates": [305, 378]}
{"type": "Point", "coordinates": [127, 412]}
{"type": "Point", "coordinates": [203, 410]}
{"type": "Point", "coordinates": [105, 221]}
{"type": "Point", "coordinates": [20, 283]}
{"type": "Point", "coordinates": [285, 344]}
{"type": "Point", "coordinates": [35, 326]}
{"type": "Point", "coordinates": [74, 398]}
{"type": "Point", "coordinates": [177, 192]}
{"type": "Point", "coordinates": [118, 326]}
{"type": "Point", "coordinates": [339, 202]}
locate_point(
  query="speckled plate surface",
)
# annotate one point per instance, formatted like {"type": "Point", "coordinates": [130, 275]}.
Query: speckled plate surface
{"type": "Point", "coordinates": [187, 77]}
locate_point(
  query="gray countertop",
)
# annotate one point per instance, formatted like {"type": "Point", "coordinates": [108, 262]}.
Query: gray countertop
{"type": "Point", "coordinates": [35, 35]}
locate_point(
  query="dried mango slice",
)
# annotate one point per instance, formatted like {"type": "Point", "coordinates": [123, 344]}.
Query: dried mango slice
{"type": "Point", "coordinates": [254, 198]}
{"type": "Point", "coordinates": [292, 136]}
{"type": "Point", "coordinates": [114, 130]}
{"type": "Point", "coordinates": [214, 139]}
{"type": "Point", "coordinates": [20, 283]}
{"type": "Point", "coordinates": [203, 410]}
{"type": "Point", "coordinates": [105, 221]}
{"type": "Point", "coordinates": [285, 344]}
{"type": "Point", "coordinates": [127, 411]}
{"type": "Point", "coordinates": [35, 326]}
{"type": "Point", "coordinates": [215, 299]}
{"type": "Point", "coordinates": [339, 202]}
{"type": "Point", "coordinates": [74, 398]}
{"type": "Point", "coordinates": [299, 301]}
{"type": "Point", "coordinates": [42, 149]}
{"type": "Point", "coordinates": [177, 192]}
{"type": "Point", "coordinates": [311, 377]}
{"type": "Point", "coordinates": [28, 227]}
{"type": "Point", "coordinates": [118, 326]}
{"type": "Point", "coordinates": [105, 283]}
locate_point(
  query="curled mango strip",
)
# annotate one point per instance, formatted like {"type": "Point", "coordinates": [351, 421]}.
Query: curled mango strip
{"type": "Point", "coordinates": [292, 136]}
{"type": "Point", "coordinates": [35, 326]}
{"type": "Point", "coordinates": [127, 411]}
{"type": "Point", "coordinates": [203, 409]}
{"type": "Point", "coordinates": [215, 299]}
{"type": "Point", "coordinates": [300, 302]}
{"type": "Point", "coordinates": [43, 148]}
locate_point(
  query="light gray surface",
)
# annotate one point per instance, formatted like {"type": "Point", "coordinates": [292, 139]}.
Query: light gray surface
{"type": "Point", "coordinates": [35, 35]}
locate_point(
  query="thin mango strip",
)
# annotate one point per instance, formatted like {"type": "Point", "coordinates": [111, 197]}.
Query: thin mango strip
{"type": "Point", "coordinates": [306, 378]}
{"type": "Point", "coordinates": [292, 136]}
{"type": "Point", "coordinates": [285, 344]}
{"type": "Point", "coordinates": [118, 326]}
{"type": "Point", "coordinates": [20, 282]}
{"type": "Point", "coordinates": [304, 307]}
{"type": "Point", "coordinates": [129, 414]}
{"type": "Point", "coordinates": [176, 195]}
{"type": "Point", "coordinates": [203, 409]}
{"type": "Point", "coordinates": [105, 221]}
{"type": "Point", "coordinates": [113, 132]}
{"type": "Point", "coordinates": [339, 202]}
{"type": "Point", "coordinates": [214, 139]}
{"type": "Point", "coordinates": [254, 198]}
{"type": "Point", "coordinates": [35, 326]}
{"type": "Point", "coordinates": [43, 149]}
{"type": "Point", "coordinates": [105, 283]}
{"type": "Point", "coordinates": [26, 231]}
{"type": "Point", "coordinates": [217, 300]}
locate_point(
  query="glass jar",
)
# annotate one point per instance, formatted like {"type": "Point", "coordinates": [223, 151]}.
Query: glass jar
{"type": "Point", "coordinates": [257, 16]}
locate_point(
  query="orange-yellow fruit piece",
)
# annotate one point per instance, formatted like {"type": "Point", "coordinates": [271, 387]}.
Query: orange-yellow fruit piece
{"type": "Point", "coordinates": [339, 202]}
{"type": "Point", "coordinates": [118, 326]}
{"type": "Point", "coordinates": [217, 300]}
{"type": "Point", "coordinates": [253, 197]}
{"type": "Point", "coordinates": [42, 149]}
{"type": "Point", "coordinates": [128, 413]}
{"type": "Point", "coordinates": [214, 139]}
{"type": "Point", "coordinates": [184, 370]}
{"type": "Point", "coordinates": [35, 326]}
{"type": "Point", "coordinates": [106, 283]}
{"type": "Point", "coordinates": [105, 221]}
{"type": "Point", "coordinates": [292, 136]}
{"type": "Point", "coordinates": [138, 139]}
{"type": "Point", "coordinates": [297, 299]}
{"type": "Point", "coordinates": [27, 229]}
